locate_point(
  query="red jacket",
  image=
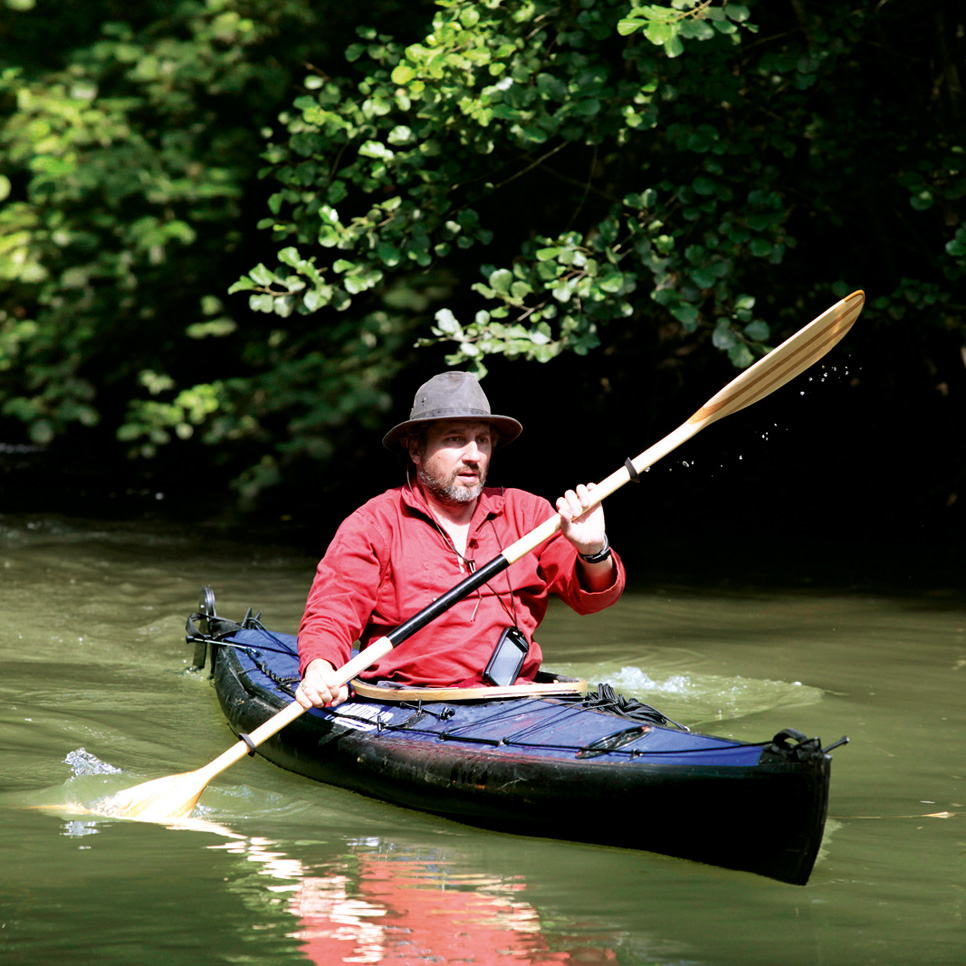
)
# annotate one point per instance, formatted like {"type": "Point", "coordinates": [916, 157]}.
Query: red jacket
{"type": "Point", "coordinates": [390, 559]}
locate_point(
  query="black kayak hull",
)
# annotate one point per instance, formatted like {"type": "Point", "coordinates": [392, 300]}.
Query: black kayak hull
{"type": "Point", "coordinates": [523, 765]}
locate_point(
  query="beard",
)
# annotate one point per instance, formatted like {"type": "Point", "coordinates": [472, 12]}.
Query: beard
{"type": "Point", "coordinates": [447, 489]}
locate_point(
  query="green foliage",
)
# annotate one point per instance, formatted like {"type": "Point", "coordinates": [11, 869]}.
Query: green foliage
{"type": "Point", "coordinates": [397, 175]}
{"type": "Point", "coordinates": [126, 165]}
{"type": "Point", "coordinates": [620, 184]}
{"type": "Point", "coordinates": [669, 26]}
{"type": "Point", "coordinates": [638, 184]}
{"type": "Point", "coordinates": [121, 174]}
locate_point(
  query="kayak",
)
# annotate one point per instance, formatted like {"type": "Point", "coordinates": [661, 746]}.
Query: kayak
{"type": "Point", "coordinates": [552, 759]}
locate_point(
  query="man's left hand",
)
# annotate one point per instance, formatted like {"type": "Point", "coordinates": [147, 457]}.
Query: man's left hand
{"type": "Point", "coordinates": [583, 527]}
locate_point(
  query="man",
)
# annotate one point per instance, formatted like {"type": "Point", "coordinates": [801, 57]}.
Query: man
{"type": "Point", "coordinates": [403, 549]}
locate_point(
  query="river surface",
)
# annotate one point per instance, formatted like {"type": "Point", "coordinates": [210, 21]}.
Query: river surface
{"type": "Point", "coordinates": [96, 694]}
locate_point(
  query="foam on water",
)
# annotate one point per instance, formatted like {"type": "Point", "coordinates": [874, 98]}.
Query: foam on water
{"type": "Point", "coordinates": [693, 697]}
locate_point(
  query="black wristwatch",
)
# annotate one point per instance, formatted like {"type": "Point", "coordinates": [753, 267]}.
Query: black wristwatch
{"type": "Point", "coordinates": [598, 557]}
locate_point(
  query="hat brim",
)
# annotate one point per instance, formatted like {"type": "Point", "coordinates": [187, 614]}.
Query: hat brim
{"type": "Point", "coordinates": [508, 427]}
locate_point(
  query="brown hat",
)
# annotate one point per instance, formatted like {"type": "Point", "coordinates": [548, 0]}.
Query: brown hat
{"type": "Point", "coordinates": [451, 395]}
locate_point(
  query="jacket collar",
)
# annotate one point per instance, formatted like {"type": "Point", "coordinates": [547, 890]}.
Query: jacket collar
{"type": "Point", "coordinates": [490, 504]}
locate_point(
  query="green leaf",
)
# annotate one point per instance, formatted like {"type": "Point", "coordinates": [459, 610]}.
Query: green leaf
{"type": "Point", "coordinates": [740, 356]}
{"type": "Point", "coordinates": [723, 336]}
{"type": "Point", "coordinates": [957, 245]}
{"type": "Point", "coordinates": [703, 276]}
{"type": "Point", "coordinates": [757, 331]}
{"type": "Point", "coordinates": [402, 74]}
{"type": "Point", "coordinates": [261, 275]}
{"type": "Point", "coordinates": [761, 247]}
{"type": "Point", "coordinates": [685, 312]}
{"type": "Point", "coordinates": [446, 322]}
{"type": "Point", "coordinates": [612, 282]}
{"type": "Point", "coordinates": [674, 47]}
{"type": "Point", "coordinates": [217, 328]}
{"type": "Point", "coordinates": [500, 281]}
{"type": "Point", "coordinates": [629, 25]}
{"type": "Point", "coordinates": [660, 33]}
{"type": "Point", "coordinates": [261, 303]}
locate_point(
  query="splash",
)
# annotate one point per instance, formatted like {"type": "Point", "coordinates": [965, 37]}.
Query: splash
{"type": "Point", "coordinates": [76, 828]}
{"type": "Point", "coordinates": [633, 678]}
{"type": "Point", "coordinates": [82, 762]}
{"type": "Point", "coordinates": [709, 697]}
{"type": "Point", "coordinates": [696, 698]}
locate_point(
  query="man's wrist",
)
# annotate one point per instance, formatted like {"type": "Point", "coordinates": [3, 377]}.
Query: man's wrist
{"type": "Point", "coordinates": [600, 556]}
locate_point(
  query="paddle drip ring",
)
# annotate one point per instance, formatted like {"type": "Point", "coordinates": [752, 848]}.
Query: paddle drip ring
{"type": "Point", "coordinates": [248, 741]}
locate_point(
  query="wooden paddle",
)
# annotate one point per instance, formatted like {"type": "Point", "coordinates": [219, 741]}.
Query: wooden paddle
{"type": "Point", "coordinates": [480, 692]}
{"type": "Point", "coordinates": [175, 796]}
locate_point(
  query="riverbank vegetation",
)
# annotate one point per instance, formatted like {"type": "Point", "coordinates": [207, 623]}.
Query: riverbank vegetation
{"type": "Point", "coordinates": [234, 234]}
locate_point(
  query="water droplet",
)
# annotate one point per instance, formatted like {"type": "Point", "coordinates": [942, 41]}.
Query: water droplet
{"type": "Point", "coordinates": [78, 828]}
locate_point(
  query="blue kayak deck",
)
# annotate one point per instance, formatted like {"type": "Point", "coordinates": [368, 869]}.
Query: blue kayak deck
{"type": "Point", "coordinates": [542, 727]}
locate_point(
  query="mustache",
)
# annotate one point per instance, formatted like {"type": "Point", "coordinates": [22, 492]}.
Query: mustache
{"type": "Point", "coordinates": [468, 468]}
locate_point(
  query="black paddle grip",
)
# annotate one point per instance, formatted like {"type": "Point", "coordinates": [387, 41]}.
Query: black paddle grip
{"type": "Point", "coordinates": [452, 596]}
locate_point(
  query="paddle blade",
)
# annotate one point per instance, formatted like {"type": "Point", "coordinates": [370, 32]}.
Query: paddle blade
{"type": "Point", "coordinates": [159, 800]}
{"type": "Point", "coordinates": [784, 362]}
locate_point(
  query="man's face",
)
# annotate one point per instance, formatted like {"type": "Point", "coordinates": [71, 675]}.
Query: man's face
{"type": "Point", "coordinates": [453, 462]}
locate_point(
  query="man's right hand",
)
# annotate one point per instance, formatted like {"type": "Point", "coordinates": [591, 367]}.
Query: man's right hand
{"type": "Point", "coordinates": [319, 688]}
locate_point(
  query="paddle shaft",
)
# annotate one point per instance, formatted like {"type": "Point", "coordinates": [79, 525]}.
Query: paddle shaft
{"type": "Point", "coordinates": [781, 365]}
{"type": "Point", "coordinates": [290, 712]}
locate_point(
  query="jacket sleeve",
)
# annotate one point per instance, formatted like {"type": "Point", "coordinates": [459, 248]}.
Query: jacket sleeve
{"type": "Point", "coordinates": [559, 560]}
{"type": "Point", "coordinates": [559, 564]}
{"type": "Point", "coordinates": [343, 593]}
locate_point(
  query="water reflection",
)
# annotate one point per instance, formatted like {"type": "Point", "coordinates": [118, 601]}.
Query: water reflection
{"type": "Point", "coordinates": [380, 904]}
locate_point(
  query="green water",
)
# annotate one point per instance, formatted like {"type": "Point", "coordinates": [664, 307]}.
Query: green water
{"type": "Point", "coordinates": [95, 695]}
